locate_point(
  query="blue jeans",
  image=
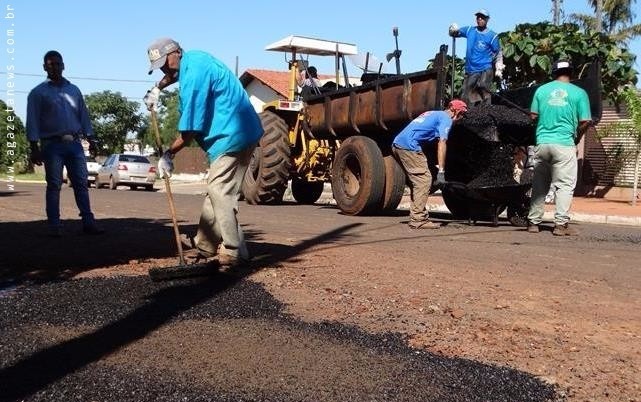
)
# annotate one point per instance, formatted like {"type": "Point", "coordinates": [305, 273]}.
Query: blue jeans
{"type": "Point", "coordinates": [56, 154]}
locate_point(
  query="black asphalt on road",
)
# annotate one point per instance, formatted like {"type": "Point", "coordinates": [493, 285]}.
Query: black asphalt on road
{"type": "Point", "coordinates": [220, 339]}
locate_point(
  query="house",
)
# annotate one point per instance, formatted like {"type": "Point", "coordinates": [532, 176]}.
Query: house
{"type": "Point", "coordinates": [132, 146]}
{"type": "Point", "coordinates": [264, 86]}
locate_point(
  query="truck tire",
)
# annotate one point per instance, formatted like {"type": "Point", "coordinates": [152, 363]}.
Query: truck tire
{"type": "Point", "coordinates": [358, 176]}
{"type": "Point", "coordinates": [394, 184]}
{"type": "Point", "coordinates": [266, 178]}
{"type": "Point", "coordinates": [306, 192]}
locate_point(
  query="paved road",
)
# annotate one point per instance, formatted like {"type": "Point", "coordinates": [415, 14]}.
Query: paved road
{"type": "Point", "coordinates": [230, 338]}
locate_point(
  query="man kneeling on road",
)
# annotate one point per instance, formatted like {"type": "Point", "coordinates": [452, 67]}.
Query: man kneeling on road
{"type": "Point", "coordinates": [430, 126]}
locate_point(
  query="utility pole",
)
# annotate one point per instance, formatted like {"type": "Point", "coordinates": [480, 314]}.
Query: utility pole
{"type": "Point", "coordinates": [556, 11]}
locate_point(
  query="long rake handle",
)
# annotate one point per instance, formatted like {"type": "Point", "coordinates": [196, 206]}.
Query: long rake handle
{"type": "Point", "coordinates": [453, 65]}
{"type": "Point", "coordinates": [170, 197]}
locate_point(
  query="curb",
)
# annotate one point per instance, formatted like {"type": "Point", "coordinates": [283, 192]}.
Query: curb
{"type": "Point", "coordinates": [605, 219]}
{"type": "Point", "coordinates": [327, 199]}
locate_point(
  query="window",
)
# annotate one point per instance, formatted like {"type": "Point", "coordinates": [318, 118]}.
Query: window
{"type": "Point", "coordinates": [133, 158]}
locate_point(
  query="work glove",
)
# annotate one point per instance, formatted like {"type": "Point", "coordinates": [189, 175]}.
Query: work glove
{"type": "Point", "coordinates": [35, 156]}
{"type": "Point", "coordinates": [165, 165]}
{"type": "Point", "coordinates": [93, 146]}
{"type": "Point", "coordinates": [151, 97]}
{"type": "Point", "coordinates": [440, 177]}
{"type": "Point", "coordinates": [498, 69]}
{"type": "Point", "coordinates": [529, 161]}
{"type": "Point", "coordinates": [453, 30]}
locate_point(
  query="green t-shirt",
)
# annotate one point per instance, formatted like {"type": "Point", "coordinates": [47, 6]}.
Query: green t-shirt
{"type": "Point", "coordinates": [560, 106]}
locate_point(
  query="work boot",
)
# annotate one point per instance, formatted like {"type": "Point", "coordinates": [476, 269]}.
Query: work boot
{"type": "Point", "coordinates": [191, 252]}
{"type": "Point", "coordinates": [233, 265]}
{"type": "Point", "coordinates": [564, 230]}
{"type": "Point", "coordinates": [55, 231]}
{"type": "Point", "coordinates": [531, 228]}
{"type": "Point", "coordinates": [426, 224]}
{"type": "Point", "coordinates": [92, 229]}
{"type": "Point", "coordinates": [230, 261]}
{"type": "Point", "coordinates": [198, 256]}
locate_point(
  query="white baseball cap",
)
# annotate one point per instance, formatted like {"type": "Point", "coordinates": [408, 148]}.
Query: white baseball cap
{"type": "Point", "coordinates": [158, 52]}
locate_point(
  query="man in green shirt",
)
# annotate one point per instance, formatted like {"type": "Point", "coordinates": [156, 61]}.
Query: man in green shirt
{"type": "Point", "coordinates": [562, 111]}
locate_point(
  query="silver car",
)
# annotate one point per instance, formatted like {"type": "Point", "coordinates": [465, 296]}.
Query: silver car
{"type": "Point", "coordinates": [126, 170]}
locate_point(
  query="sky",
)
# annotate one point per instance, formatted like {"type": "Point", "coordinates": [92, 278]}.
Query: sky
{"type": "Point", "coordinates": [104, 43]}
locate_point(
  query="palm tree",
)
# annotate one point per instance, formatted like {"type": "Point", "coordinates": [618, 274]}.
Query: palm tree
{"type": "Point", "coordinates": [617, 22]}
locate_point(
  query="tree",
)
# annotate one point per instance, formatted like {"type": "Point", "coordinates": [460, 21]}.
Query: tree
{"type": "Point", "coordinates": [113, 117]}
{"type": "Point", "coordinates": [618, 21]}
{"type": "Point", "coordinates": [529, 50]}
{"type": "Point", "coordinates": [632, 128]}
{"type": "Point", "coordinates": [14, 151]}
{"type": "Point", "coordinates": [458, 75]}
{"type": "Point", "coordinates": [168, 116]}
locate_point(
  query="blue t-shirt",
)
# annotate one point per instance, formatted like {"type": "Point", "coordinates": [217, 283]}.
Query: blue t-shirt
{"type": "Point", "coordinates": [214, 104]}
{"type": "Point", "coordinates": [429, 126]}
{"type": "Point", "coordinates": [482, 48]}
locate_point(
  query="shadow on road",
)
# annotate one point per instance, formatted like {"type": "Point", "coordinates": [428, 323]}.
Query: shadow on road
{"type": "Point", "coordinates": [27, 253]}
{"type": "Point", "coordinates": [13, 193]}
{"type": "Point", "coordinates": [60, 360]}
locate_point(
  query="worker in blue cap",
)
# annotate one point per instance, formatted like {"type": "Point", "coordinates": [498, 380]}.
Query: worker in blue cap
{"type": "Point", "coordinates": [482, 54]}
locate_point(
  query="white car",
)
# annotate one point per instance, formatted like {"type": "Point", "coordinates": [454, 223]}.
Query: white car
{"type": "Point", "coordinates": [92, 172]}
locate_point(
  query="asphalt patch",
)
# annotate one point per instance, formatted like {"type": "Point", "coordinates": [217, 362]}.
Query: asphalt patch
{"type": "Point", "coordinates": [217, 339]}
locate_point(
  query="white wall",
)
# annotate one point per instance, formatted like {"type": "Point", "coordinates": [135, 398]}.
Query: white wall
{"type": "Point", "coordinates": [259, 94]}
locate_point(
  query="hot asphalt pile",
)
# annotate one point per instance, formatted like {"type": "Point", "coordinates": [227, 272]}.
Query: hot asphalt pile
{"type": "Point", "coordinates": [506, 124]}
{"type": "Point", "coordinates": [216, 339]}
{"type": "Point", "coordinates": [480, 163]}
{"type": "Point", "coordinates": [481, 145]}
{"type": "Point", "coordinates": [496, 166]}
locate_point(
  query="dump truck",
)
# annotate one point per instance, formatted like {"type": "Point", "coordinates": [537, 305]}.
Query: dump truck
{"type": "Point", "coordinates": [342, 133]}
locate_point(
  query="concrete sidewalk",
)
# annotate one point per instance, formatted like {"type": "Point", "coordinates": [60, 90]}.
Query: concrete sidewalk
{"type": "Point", "coordinates": [584, 209]}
